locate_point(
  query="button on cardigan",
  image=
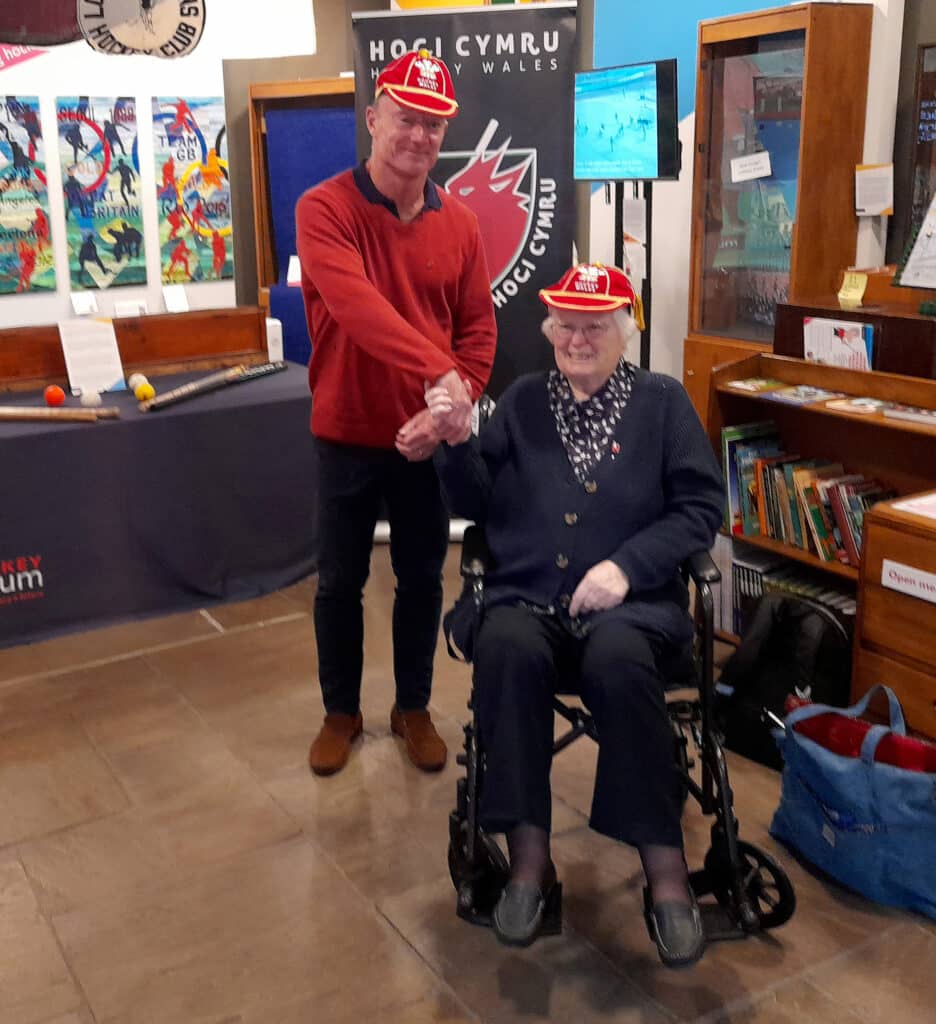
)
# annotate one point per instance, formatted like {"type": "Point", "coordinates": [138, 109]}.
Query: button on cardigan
{"type": "Point", "coordinates": [654, 499]}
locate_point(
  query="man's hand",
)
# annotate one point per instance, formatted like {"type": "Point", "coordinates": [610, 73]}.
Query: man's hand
{"type": "Point", "coordinates": [451, 418]}
{"type": "Point", "coordinates": [453, 426]}
{"type": "Point", "coordinates": [418, 438]}
{"type": "Point", "coordinates": [603, 586]}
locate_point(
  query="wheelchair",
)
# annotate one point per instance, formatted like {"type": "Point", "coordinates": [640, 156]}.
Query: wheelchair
{"type": "Point", "coordinates": [751, 888]}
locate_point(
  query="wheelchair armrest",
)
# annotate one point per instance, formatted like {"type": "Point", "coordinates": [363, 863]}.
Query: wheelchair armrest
{"type": "Point", "coordinates": [475, 555]}
{"type": "Point", "coordinates": [701, 568]}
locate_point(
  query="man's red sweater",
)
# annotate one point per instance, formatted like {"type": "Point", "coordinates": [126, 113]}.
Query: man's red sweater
{"type": "Point", "coordinates": [389, 306]}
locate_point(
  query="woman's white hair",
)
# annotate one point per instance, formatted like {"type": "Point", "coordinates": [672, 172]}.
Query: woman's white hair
{"type": "Point", "coordinates": [622, 318]}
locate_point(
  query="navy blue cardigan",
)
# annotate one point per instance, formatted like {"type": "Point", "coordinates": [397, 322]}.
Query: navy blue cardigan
{"type": "Point", "coordinates": [646, 507]}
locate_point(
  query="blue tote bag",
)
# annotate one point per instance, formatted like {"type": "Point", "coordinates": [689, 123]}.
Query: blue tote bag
{"type": "Point", "coordinates": [871, 826]}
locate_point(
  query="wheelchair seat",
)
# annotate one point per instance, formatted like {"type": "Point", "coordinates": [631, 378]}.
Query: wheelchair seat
{"type": "Point", "coordinates": [750, 887]}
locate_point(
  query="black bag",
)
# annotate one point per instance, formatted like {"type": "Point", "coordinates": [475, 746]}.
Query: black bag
{"type": "Point", "coordinates": [793, 646]}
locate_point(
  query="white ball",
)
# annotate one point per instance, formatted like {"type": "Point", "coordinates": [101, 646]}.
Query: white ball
{"type": "Point", "coordinates": [135, 380]}
{"type": "Point", "coordinates": [90, 398]}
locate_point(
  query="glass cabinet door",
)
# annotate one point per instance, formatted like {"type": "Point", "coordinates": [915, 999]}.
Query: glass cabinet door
{"type": "Point", "coordinates": [755, 89]}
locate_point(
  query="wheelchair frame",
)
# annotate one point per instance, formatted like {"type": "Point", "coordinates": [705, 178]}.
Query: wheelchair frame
{"type": "Point", "coordinates": [750, 887]}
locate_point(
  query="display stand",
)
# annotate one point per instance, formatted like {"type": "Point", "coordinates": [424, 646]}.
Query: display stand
{"type": "Point", "coordinates": [645, 289]}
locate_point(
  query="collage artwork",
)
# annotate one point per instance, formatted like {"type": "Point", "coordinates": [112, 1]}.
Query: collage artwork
{"type": "Point", "coordinates": [101, 182]}
{"type": "Point", "coordinates": [99, 157]}
{"type": "Point", "coordinates": [193, 192]}
{"type": "Point", "coordinates": [26, 262]}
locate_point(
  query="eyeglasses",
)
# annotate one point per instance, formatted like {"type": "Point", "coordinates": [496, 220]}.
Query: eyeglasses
{"type": "Point", "coordinates": [591, 332]}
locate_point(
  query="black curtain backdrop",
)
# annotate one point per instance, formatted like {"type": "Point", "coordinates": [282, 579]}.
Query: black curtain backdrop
{"type": "Point", "coordinates": [508, 153]}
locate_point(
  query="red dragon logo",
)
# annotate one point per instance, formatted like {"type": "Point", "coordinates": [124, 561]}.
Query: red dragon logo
{"type": "Point", "coordinates": [501, 199]}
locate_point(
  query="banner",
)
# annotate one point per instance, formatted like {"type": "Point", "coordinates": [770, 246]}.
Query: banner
{"type": "Point", "coordinates": [193, 191]}
{"type": "Point", "coordinates": [26, 262]}
{"type": "Point", "coordinates": [101, 181]}
{"type": "Point", "coordinates": [508, 153]}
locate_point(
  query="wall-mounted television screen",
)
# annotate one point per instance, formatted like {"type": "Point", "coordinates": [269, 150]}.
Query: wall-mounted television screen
{"type": "Point", "coordinates": [626, 124]}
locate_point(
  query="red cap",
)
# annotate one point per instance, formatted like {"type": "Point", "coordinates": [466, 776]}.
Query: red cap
{"type": "Point", "coordinates": [594, 288]}
{"type": "Point", "coordinates": [419, 81]}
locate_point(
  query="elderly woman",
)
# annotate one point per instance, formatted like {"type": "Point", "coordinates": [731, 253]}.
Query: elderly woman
{"type": "Point", "coordinates": [593, 481]}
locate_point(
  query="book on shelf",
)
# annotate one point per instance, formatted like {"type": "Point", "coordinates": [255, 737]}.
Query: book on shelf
{"type": "Point", "coordinates": [756, 385]}
{"type": "Point", "coordinates": [912, 413]}
{"type": "Point", "coordinates": [748, 567]}
{"type": "Point", "coordinates": [721, 555]}
{"type": "Point", "coordinates": [731, 438]}
{"type": "Point", "coordinates": [802, 394]}
{"type": "Point", "coordinates": [846, 343]}
{"type": "Point", "coordinates": [858, 405]}
{"type": "Point", "coordinates": [746, 459]}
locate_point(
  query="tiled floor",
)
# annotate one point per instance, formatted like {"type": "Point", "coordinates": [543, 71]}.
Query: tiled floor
{"type": "Point", "coordinates": [166, 857]}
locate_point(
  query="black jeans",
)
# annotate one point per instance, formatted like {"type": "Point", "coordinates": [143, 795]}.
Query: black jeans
{"type": "Point", "coordinates": [521, 660]}
{"type": "Point", "coordinates": [352, 483]}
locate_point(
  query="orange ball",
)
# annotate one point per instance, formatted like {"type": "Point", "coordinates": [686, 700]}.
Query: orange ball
{"type": "Point", "coordinates": [54, 395]}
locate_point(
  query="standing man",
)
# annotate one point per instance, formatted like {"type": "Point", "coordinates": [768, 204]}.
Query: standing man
{"type": "Point", "coordinates": [397, 298]}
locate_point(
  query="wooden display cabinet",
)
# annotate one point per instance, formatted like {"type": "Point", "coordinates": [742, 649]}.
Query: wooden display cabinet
{"type": "Point", "coordinates": [791, 81]}
{"type": "Point", "coordinates": [264, 96]}
{"type": "Point", "coordinates": [893, 633]}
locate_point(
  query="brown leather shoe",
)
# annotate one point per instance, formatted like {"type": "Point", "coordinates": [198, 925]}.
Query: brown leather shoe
{"type": "Point", "coordinates": [425, 747]}
{"type": "Point", "coordinates": [330, 749]}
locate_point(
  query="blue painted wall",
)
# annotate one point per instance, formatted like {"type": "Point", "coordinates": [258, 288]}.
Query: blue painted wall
{"type": "Point", "coordinates": [627, 32]}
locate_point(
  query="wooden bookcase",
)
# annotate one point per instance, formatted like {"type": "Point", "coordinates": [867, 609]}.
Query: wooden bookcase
{"type": "Point", "coordinates": [786, 236]}
{"type": "Point", "coordinates": [893, 634]}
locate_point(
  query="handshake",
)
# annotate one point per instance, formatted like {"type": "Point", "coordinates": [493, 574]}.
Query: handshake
{"type": "Point", "coordinates": [447, 417]}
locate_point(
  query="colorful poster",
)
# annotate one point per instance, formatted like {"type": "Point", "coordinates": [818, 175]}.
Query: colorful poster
{"type": "Point", "coordinates": [193, 192]}
{"type": "Point", "coordinates": [510, 166]}
{"type": "Point", "coordinates": [101, 181]}
{"type": "Point", "coordinates": [26, 262]}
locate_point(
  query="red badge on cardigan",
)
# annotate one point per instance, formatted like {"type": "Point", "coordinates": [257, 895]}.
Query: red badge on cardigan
{"type": "Point", "coordinates": [594, 288]}
{"type": "Point", "coordinates": [419, 81]}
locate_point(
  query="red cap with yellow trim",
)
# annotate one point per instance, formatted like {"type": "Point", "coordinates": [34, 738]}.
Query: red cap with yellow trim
{"type": "Point", "coordinates": [594, 288]}
{"type": "Point", "coordinates": [419, 81]}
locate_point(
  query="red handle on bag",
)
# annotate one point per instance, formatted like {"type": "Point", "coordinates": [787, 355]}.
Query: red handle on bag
{"type": "Point", "coordinates": [844, 736]}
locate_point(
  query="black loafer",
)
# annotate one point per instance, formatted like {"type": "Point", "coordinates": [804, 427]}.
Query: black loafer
{"type": "Point", "coordinates": [524, 912]}
{"type": "Point", "coordinates": [676, 928]}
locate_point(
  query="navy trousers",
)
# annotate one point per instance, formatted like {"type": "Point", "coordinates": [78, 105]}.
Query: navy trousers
{"type": "Point", "coordinates": [354, 484]}
{"type": "Point", "coordinates": [522, 659]}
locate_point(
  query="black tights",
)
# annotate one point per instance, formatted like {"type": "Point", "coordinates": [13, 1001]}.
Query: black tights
{"type": "Point", "coordinates": [531, 864]}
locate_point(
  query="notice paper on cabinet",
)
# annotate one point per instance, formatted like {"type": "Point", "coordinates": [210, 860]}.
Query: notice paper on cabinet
{"type": "Point", "coordinates": [91, 355]}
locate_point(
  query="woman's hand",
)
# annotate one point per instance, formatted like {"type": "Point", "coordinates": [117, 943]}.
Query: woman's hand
{"type": "Point", "coordinates": [603, 586]}
{"type": "Point", "coordinates": [453, 422]}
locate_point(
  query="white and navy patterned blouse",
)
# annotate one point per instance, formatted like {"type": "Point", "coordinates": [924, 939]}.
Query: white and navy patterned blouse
{"type": "Point", "coordinates": [586, 427]}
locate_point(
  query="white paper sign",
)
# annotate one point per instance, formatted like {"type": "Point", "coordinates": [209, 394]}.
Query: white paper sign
{"type": "Point", "coordinates": [635, 220]}
{"type": "Point", "coordinates": [925, 505]}
{"type": "Point", "coordinates": [294, 272]}
{"type": "Point", "coordinates": [84, 303]}
{"type": "Point", "coordinates": [175, 298]}
{"type": "Point", "coordinates": [274, 337]}
{"type": "Point", "coordinates": [91, 355]}
{"type": "Point", "coordinates": [747, 168]}
{"type": "Point", "coordinates": [908, 580]}
{"type": "Point", "coordinates": [874, 190]}
{"type": "Point", "coordinates": [130, 307]}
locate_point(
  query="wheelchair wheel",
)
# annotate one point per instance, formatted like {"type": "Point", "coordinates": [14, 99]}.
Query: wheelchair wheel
{"type": "Point", "coordinates": [766, 884]}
